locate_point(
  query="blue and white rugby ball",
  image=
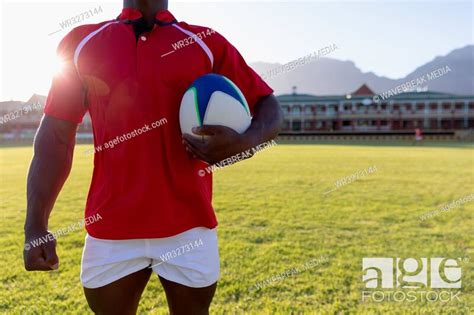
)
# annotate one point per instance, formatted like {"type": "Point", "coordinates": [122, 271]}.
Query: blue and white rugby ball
{"type": "Point", "coordinates": [213, 99]}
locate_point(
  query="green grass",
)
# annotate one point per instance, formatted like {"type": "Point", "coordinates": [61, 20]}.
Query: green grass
{"type": "Point", "coordinates": [274, 216]}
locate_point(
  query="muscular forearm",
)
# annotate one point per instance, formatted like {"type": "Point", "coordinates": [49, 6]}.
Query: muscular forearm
{"type": "Point", "coordinates": [266, 122]}
{"type": "Point", "coordinates": [51, 164]}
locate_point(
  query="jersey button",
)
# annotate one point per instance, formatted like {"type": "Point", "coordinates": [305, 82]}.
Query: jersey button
{"type": "Point", "coordinates": [143, 38]}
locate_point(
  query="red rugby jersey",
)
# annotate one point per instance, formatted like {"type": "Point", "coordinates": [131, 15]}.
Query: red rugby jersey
{"type": "Point", "coordinates": [146, 186]}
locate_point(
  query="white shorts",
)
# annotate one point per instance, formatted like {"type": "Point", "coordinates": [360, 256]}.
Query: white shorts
{"type": "Point", "coordinates": [190, 258]}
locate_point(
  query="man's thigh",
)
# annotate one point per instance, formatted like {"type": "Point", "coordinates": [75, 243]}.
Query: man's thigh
{"type": "Point", "coordinates": [119, 297]}
{"type": "Point", "coordinates": [186, 300]}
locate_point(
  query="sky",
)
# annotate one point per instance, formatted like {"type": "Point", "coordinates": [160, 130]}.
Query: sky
{"type": "Point", "coordinates": [389, 38]}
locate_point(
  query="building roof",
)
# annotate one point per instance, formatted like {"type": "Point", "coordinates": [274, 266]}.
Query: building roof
{"type": "Point", "coordinates": [365, 93]}
{"type": "Point", "coordinates": [363, 90]}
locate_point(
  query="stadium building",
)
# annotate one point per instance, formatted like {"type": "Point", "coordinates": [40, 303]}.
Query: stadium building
{"type": "Point", "coordinates": [359, 114]}
{"type": "Point", "coordinates": [364, 113]}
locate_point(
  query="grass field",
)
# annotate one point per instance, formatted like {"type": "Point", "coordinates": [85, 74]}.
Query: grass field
{"type": "Point", "coordinates": [275, 215]}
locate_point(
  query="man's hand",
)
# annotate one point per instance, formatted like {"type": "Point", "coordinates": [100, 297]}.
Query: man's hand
{"type": "Point", "coordinates": [42, 256]}
{"type": "Point", "coordinates": [216, 144]}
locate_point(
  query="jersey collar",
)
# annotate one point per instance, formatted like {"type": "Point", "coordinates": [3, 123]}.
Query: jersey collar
{"type": "Point", "coordinates": [132, 15]}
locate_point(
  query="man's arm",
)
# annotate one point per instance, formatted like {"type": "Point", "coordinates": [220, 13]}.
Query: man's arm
{"type": "Point", "coordinates": [51, 164]}
{"type": "Point", "coordinates": [224, 142]}
{"type": "Point", "coordinates": [267, 122]}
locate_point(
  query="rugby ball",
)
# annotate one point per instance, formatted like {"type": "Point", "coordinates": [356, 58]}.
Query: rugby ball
{"type": "Point", "coordinates": [213, 99]}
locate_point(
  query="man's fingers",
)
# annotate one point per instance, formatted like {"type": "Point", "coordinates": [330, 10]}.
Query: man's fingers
{"type": "Point", "coordinates": [194, 150]}
{"type": "Point", "coordinates": [200, 142]}
{"type": "Point", "coordinates": [38, 263]}
{"type": "Point", "coordinates": [196, 147]}
{"type": "Point", "coordinates": [50, 255]}
{"type": "Point", "coordinates": [42, 257]}
{"type": "Point", "coordinates": [192, 142]}
{"type": "Point", "coordinates": [208, 130]}
{"type": "Point", "coordinates": [35, 259]}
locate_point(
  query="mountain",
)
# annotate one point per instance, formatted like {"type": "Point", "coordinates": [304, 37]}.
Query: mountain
{"type": "Point", "coordinates": [460, 80]}
{"type": "Point", "coordinates": [9, 106]}
{"type": "Point", "coordinates": [327, 76]}
{"type": "Point", "coordinates": [37, 99]}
